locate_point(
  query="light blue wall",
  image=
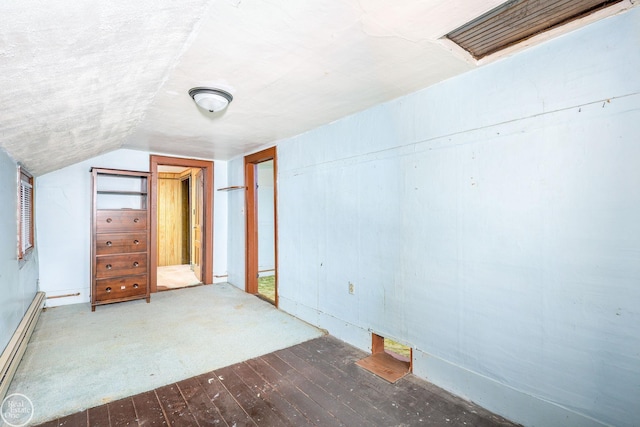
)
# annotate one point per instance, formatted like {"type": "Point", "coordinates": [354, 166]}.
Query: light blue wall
{"type": "Point", "coordinates": [220, 226]}
{"type": "Point", "coordinates": [491, 221]}
{"type": "Point", "coordinates": [18, 281]}
{"type": "Point", "coordinates": [237, 223]}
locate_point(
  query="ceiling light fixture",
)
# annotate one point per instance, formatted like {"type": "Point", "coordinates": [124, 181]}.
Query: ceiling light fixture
{"type": "Point", "coordinates": [211, 99]}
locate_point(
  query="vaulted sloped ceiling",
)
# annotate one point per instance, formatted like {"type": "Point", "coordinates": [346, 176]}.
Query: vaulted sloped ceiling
{"type": "Point", "coordinates": [85, 77]}
{"type": "Point", "coordinates": [76, 78]}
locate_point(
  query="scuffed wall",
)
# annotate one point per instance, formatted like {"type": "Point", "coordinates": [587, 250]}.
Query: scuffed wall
{"type": "Point", "coordinates": [490, 222]}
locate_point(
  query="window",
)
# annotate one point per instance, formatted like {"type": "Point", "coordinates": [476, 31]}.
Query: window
{"type": "Point", "coordinates": [25, 214]}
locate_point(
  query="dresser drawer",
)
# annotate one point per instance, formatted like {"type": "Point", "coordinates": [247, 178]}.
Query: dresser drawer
{"type": "Point", "coordinates": [109, 221]}
{"type": "Point", "coordinates": [121, 265]}
{"type": "Point", "coordinates": [121, 287]}
{"type": "Point", "coordinates": [120, 243]}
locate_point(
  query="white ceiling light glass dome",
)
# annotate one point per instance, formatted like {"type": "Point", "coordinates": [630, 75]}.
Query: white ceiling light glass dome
{"type": "Point", "coordinates": [211, 99]}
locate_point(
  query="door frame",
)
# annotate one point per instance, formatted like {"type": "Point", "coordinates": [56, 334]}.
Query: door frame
{"type": "Point", "coordinates": [207, 228]}
{"type": "Point", "coordinates": [189, 228]}
{"type": "Point", "coordinates": [251, 206]}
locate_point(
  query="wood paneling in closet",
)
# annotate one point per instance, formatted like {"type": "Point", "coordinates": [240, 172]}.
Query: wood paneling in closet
{"type": "Point", "coordinates": [170, 219]}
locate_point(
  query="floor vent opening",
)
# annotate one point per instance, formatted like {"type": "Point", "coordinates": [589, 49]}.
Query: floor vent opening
{"type": "Point", "coordinates": [387, 359]}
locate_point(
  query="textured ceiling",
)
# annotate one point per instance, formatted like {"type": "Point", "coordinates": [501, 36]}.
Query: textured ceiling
{"type": "Point", "coordinates": [76, 78]}
{"type": "Point", "coordinates": [85, 77]}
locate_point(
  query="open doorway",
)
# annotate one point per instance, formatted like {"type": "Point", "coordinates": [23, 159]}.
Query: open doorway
{"type": "Point", "coordinates": [181, 222]}
{"type": "Point", "coordinates": [266, 231]}
{"type": "Point", "coordinates": [179, 213]}
{"type": "Point", "coordinates": [260, 178]}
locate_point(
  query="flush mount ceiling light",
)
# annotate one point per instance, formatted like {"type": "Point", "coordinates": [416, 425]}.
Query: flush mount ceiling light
{"type": "Point", "coordinates": [210, 99]}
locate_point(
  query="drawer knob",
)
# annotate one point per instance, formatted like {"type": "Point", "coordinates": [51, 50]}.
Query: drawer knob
{"type": "Point", "coordinates": [109, 220]}
{"type": "Point", "coordinates": [108, 289]}
{"type": "Point", "coordinates": [136, 242]}
{"type": "Point", "coordinates": [123, 287]}
{"type": "Point", "coordinates": [108, 266]}
{"type": "Point", "coordinates": [136, 286]}
{"type": "Point", "coordinates": [109, 243]}
{"type": "Point", "coordinates": [136, 220]}
{"type": "Point", "coordinates": [135, 263]}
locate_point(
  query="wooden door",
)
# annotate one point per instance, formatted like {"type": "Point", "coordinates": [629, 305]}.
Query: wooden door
{"type": "Point", "coordinates": [197, 225]}
{"type": "Point", "coordinates": [169, 220]}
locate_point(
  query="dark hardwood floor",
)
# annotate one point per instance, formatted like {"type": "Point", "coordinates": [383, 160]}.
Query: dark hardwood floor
{"type": "Point", "coordinates": [316, 383]}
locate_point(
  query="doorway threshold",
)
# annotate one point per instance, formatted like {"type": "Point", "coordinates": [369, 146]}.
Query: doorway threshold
{"type": "Point", "coordinates": [265, 298]}
{"type": "Point", "coordinates": [166, 289]}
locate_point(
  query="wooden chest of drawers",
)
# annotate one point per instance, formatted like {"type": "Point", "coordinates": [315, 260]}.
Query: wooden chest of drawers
{"type": "Point", "coordinates": [121, 265]}
{"type": "Point", "coordinates": [128, 221]}
{"type": "Point", "coordinates": [121, 288]}
{"type": "Point", "coordinates": [117, 243]}
{"type": "Point", "coordinates": [120, 260]}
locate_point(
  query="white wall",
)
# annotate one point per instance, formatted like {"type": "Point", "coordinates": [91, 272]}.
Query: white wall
{"type": "Point", "coordinates": [63, 218]}
{"type": "Point", "coordinates": [18, 281]}
{"type": "Point", "coordinates": [491, 222]}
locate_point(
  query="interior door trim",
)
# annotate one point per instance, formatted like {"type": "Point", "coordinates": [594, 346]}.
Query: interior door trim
{"type": "Point", "coordinates": [250, 179]}
{"type": "Point", "coordinates": [207, 231]}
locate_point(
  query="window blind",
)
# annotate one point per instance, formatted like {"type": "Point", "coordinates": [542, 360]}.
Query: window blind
{"type": "Point", "coordinates": [26, 213]}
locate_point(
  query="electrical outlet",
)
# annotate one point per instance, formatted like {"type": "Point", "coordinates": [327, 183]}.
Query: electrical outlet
{"type": "Point", "coordinates": [352, 288]}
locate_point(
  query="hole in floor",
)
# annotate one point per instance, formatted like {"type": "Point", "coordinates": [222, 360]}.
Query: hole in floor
{"type": "Point", "coordinates": [387, 362]}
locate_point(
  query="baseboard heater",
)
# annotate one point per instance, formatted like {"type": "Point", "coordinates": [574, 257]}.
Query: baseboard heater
{"type": "Point", "coordinates": [12, 354]}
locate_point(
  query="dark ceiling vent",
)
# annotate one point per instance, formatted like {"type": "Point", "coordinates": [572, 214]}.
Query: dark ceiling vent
{"type": "Point", "coordinates": [518, 20]}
